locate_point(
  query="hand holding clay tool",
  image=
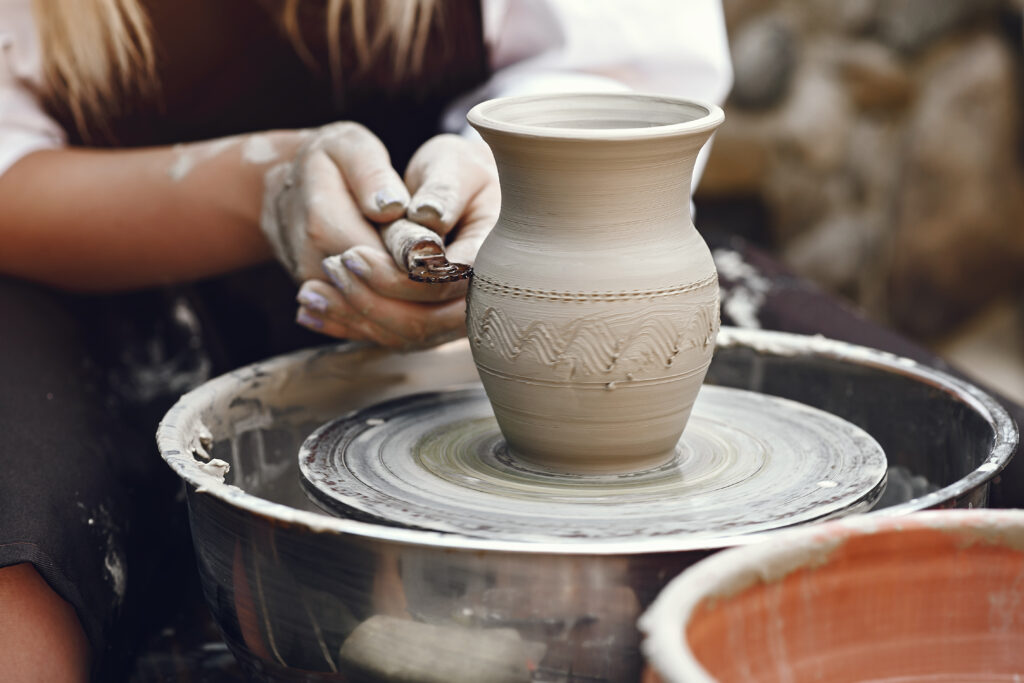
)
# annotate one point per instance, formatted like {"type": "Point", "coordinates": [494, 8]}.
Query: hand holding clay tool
{"type": "Point", "coordinates": [420, 251]}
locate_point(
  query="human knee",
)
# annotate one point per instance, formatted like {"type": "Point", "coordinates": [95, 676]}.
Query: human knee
{"type": "Point", "coordinates": [41, 638]}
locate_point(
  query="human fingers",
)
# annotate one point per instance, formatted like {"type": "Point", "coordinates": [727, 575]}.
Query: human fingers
{"type": "Point", "coordinates": [323, 309]}
{"type": "Point", "coordinates": [308, 213]}
{"type": "Point", "coordinates": [421, 324]}
{"type": "Point", "coordinates": [322, 201]}
{"type": "Point", "coordinates": [378, 271]}
{"type": "Point", "coordinates": [365, 165]}
{"type": "Point", "coordinates": [315, 322]}
{"type": "Point", "coordinates": [445, 175]}
{"type": "Point", "coordinates": [326, 215]}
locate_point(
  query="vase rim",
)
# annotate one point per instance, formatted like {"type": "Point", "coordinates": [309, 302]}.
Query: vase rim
{"type": "Point", "coordinates": [629, 116]}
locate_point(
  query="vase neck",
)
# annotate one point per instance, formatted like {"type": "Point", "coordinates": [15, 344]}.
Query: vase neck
{"type": "Point", "coordinates": [594, 186]}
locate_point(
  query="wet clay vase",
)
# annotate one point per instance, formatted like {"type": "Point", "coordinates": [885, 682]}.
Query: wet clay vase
{"type": "Point", "coordinates": [593, 309]}
{"type": "Point", "coordinates": [933, 596]}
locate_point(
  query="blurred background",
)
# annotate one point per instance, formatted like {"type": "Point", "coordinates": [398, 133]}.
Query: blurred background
{"type": "Point", "coordinates": [876, 147]}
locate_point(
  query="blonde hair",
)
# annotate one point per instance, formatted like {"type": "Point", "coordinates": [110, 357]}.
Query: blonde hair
{"type": "Point", "coordinates": [98, 53]}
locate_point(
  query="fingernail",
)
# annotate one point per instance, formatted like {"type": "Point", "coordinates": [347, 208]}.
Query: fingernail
{"type": "Point", "coordinates": [335, 270]}
{"type": "Point", "coordinates": [427, 210]}
{"type": "Point", "coordinates": [388, 199]}
{"type": "Point", "coordinates": [306, 320]}
{"type": "Point", "coordinates": [356, 263]}
{"type": "Point", "coordinates": [312, 300]}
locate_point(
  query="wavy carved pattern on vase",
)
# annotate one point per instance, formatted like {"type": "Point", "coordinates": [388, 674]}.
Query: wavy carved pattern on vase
{"type": "Point", "coordinates": [620, 337]}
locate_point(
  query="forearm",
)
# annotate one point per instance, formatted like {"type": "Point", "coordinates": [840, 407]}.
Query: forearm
{"type": "Point", "coordinates": [104, 220]}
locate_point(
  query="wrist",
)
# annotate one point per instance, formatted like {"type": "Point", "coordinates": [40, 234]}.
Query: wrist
{"type": "Point", "coordinates": [257, 154]}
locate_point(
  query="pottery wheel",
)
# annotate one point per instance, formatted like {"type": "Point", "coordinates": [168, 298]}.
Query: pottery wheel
{"type": "Point", "coordinates": [747, 462]}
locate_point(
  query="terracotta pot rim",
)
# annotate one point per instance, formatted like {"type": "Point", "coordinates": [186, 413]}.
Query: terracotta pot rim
{"type": "Point", "coordinates": [509, 115]}
{"type": "Point", "coordinates": [777, 554]}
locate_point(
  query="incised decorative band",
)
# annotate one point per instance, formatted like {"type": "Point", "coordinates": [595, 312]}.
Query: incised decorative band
{"type": "Point", "coordinates": [490, 286]}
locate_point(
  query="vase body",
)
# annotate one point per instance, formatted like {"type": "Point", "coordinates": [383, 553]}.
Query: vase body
{"type": "Point", "coordinates": [593, 310]}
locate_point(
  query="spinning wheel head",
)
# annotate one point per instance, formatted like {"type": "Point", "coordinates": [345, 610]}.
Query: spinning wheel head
{"type": "Point", "coordinates": [746, 463]}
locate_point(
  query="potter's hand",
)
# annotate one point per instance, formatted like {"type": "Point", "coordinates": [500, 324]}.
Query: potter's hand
{"type": "Point", "coordinates": [454, 188]}
{"type": "Point", "coordinates": [327, 198]}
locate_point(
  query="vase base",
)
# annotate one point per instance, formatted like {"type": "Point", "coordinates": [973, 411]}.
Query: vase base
{"type": "Point", "coordinates": [746, 463]}
{"type": "Point", "coordinates": [623, 465]}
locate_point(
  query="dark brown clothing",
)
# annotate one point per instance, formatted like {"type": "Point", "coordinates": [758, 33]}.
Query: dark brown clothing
{"type": "Point", "coordinates": [226, 67]}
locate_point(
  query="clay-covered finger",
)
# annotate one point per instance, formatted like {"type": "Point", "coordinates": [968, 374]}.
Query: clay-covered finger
{"type": "Point", "coordinates": [331, 307]}
{"type": "Point", "coordinates": [379, 272]}
{"type": "Point", "coordinates": [422, 324]}
{"type": "Point", "coordinates": [315, 322]}
{"type": "Point", "coordinates": [444, 175]}
{"type": "Point", "coordinates": [333, 221]}
{"type": "Point", "coordinates": [333, 328]}
{"type": "Point", "coordinates": [365, 165]}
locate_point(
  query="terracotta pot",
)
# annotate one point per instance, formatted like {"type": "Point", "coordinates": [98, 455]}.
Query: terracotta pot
{"type": "Point", "coordinates": [936, 596]}
{"type": "Point", "coordinates": [594, 305]}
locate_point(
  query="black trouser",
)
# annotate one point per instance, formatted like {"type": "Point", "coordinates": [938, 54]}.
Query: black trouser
{"type": "Point", "coordinates": [84, 495]}
{"type": "Point", "coordinates": [80, 488]}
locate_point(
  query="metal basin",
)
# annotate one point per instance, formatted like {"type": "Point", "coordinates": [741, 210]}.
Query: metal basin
{"type": "Point", "coordinates": [302, 596]}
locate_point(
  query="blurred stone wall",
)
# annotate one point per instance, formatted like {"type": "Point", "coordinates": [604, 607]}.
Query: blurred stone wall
{"type": "Point", "coordinates": [883, 138]}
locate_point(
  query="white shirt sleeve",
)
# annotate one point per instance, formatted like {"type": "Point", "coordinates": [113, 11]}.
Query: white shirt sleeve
{"type": "Point", "coordinates": [666, 47]}
{"type": "Point", "coordinates": [24, 125]}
